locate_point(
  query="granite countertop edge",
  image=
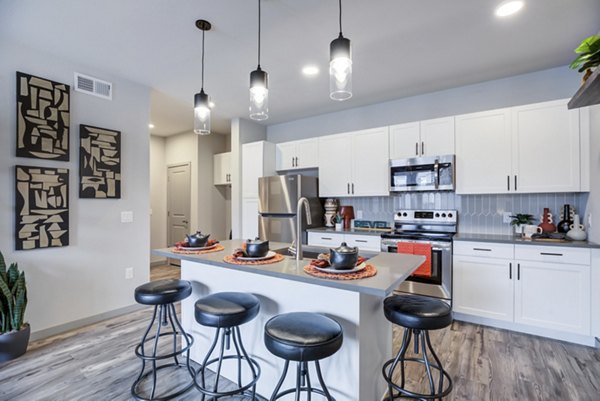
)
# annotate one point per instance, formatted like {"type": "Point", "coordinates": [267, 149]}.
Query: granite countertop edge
{"type": "Point", "coordinates": [510, 239]}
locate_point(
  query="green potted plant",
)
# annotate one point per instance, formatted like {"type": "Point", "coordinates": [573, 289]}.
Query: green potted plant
{"type": "Point", "coordinates": [588, 56]}
{"type": "Point", "coordinates": [14, 333]}
{"type": "Point", "coordinates": [519, 220]}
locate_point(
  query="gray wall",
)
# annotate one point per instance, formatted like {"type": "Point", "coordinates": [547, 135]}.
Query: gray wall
{"type": "Point", "coordinates": [86, 278]}
{"type": "Point", "coordinates": [158, 200]}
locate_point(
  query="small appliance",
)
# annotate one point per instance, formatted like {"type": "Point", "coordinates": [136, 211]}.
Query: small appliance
{"type": "Point", "coordinates": [431, 173]}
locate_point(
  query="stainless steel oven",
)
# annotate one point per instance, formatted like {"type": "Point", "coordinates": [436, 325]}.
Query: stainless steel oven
{"type": "Point", "coordinates": [435, 229]}
{"type": "Point", "coordinates": [435, 173]}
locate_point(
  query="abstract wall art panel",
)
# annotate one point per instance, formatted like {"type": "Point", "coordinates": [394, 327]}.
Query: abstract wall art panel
{"type": "Point", "coordinates": [42, 207]}
{"type": "Point", "coordinates": [99, 163]}
{"type": "Point", "coordinates": [42, 118]}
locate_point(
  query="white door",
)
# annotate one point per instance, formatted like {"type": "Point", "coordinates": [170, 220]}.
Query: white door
{"type": "Point", "coordinates": [483, 287]}
{"type": "Point", "coordinates": [335, 165]}
{"type": "Point", "coordinates": [405, 141]}
{"type": "Point", "coordinates": [285, 155]}
{"type": "Point", "coordinates": [546, 147]}
{"type": "Point", "coordinates": [249, 218]}
{"type": "Point", "coordinates": [437, 137]}
{"type": "Point", "coordinates": [370, 165]}
{"type": "Point", "coordinates": [252, 168]}
{"type": "Point", "coordinates": [483, 152]}
{"type": "Point", "coordinates": [179, 197]}
{"type": "Point", "coordinates": [553, 296]}
{"type": "Point", "coordinates": [307, 153]}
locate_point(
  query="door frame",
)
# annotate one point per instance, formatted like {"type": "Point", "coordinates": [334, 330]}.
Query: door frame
{"type": "Point", "coordinates": [172, 261]}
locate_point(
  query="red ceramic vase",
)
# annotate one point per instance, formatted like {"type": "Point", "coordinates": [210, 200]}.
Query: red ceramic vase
{"type": "Point", "coordinates": [546, 224]}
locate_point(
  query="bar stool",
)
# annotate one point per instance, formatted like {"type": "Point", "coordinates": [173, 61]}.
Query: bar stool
{"type": "Point", "coordinates": [302, 337]}
{"type": "Point", "coordinates": [226, 311]}
{"type": "Point", "coordinates": [163, 294]}
{"type": "Point", "coordinates": [417, 314]}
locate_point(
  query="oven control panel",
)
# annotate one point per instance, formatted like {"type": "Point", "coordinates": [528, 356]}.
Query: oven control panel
{"type": "Point", "coordinates": [431, 216]}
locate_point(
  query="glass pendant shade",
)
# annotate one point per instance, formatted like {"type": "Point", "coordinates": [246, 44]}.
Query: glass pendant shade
{"type": "Point", "coordinates": [340, 69]}
{"type": "Point", "coordinates": [259, 94]}
{"type": "Point", "coordinates": [201, 113]}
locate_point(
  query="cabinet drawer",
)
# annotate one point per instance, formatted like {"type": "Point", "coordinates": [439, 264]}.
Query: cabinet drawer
{"type": "Point", "coordinates": [485, 249]}
{"type": "Point", "coordinates": [325, 239]}
{"type": "Point", "coordinates": [553, 254]}
{"type": "Point", "coordinates": [366, 242]}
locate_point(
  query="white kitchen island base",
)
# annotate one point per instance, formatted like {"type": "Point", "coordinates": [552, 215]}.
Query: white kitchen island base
{"type": "Point", "coordinates": [353, 373]}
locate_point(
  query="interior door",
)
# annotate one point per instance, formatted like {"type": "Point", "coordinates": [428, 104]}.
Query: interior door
{"type": "Point", "coordinates": [178, 202]}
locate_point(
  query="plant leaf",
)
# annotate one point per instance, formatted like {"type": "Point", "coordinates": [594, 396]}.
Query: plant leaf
{"type": "Point", "coordinates": [2, 267]}
{"type": "Point", "coordinates": [589, 45]}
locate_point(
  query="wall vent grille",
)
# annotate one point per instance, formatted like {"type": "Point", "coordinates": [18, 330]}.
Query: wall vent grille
{"type": "Point", "coordinates": [93, 86]}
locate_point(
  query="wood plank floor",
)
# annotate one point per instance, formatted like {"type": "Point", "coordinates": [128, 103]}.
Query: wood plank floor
{"type": "Point", "coordinates": [97, 363]}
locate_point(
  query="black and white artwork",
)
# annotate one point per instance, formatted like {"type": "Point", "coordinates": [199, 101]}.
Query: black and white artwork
{"type": "Point", "coordinates": [42, 207]}
{"type": "Point", "coordinates": [42, 118]}
{"type": "Point", "coordinates": [99, 162]}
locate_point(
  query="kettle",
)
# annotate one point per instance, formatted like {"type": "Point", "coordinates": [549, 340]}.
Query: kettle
{"type": "Point", "coordinates": [343, 257]}
{"type": "Point", "coordinates": [197, 240]}
{"type": "Point", "coordinates": [257, 248]}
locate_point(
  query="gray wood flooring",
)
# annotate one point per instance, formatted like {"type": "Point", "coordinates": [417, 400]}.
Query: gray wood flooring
{"type": "Point", "coordinates": [97, 363]}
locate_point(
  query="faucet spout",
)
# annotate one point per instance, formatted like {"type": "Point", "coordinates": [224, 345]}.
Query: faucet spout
{"type": "Point", "coordinates": [301, 202]}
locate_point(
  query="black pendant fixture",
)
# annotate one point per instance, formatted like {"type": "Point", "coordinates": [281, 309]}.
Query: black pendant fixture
{"type": "Point", "coordinates": [340, 66]}
{"type": "Point", "coordinates": [201, 101]}
{"type": "Point", "coordinates": [259, 86]}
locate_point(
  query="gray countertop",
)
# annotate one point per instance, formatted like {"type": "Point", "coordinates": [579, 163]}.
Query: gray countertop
{"type": "Point", "coordinates": [509, 239]}
{"type": "Point", "coordinates": [329, 230]}
{"type": "Point", "coordinates": [392, 269]}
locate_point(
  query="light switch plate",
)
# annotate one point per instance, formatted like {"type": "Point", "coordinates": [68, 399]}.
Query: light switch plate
{"type": "Point", "coordinates": [128, 273]}
{"type": "Point", "coordinates": [127, 217]}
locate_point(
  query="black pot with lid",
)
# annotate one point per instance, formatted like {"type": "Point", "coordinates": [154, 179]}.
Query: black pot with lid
{"type": "Point", "coordinates": [343, 257]}
{"type": "Point", "coordinates": [257, 248]}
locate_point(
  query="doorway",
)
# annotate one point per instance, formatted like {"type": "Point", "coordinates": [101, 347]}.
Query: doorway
{"type": "Point", "coordinates": [179, 195]}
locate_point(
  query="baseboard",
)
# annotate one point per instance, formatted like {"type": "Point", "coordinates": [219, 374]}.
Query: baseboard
{"type": "Point", "coordinates": [76, 324]}
{"type": "Point", "coordinates": [161, 262]}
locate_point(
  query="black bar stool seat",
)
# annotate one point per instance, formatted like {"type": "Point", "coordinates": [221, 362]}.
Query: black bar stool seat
{"type": "Point", "coordinates": [226, 311]}
{"type": "Point", "coordinates": [162, 294]}
{"type": "Point", "coordinates": [417, 314]}
{"type": "Point", "coordinates": [303, 337]}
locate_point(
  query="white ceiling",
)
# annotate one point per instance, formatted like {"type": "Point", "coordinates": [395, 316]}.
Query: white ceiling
{"type": "Point", "coordinates": [400, 47]}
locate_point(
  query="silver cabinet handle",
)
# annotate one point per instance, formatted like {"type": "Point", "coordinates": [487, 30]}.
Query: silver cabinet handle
{"type": "Point", "coordinates": [328, 238]}
{"type": "Point", "coordinates": [422, 148]}
{"type": "Point", "coordinates": [296, 162]}
{"type": "Point", "coordinates": [352, 188]}
{"type": "Point", "coordinates": [348, 190]}
{"type": "Point", "coordinates": [417, 148]}
{"type": "Point", "coordinates": [482, 249]}
{"type": "Point", "coordinates": [515, 182]}
{"type": "Point", "coordinates": [510, 271]}
{"type": "Point", "coordinates": [551, 254]}
{"type": "Point", "coordinates": [360, 240]}
{"type": "Point", "coordinates": [292, 162]}
{"type": "Point", "coordinates": [518, 271]}
{"type": "Point", "coordinates": [508, 182]}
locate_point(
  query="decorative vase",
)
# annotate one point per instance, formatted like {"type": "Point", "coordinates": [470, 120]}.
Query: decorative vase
{"type": "Point", "coordinates": [339, 226]}
{"type": "Point", "coordinates": [14, 344]}
{"type": "Point", "coordinates": [565, 224]}
{"type": "Point", "coordinates": [331, 206]}
{"type": "Point", "coordinates": [577, 231]}
{"type": "Point", "coordinates": [518, 230]}
{"type": "Point", "coordinates": [546, 224]}
{"type": "Point", "coordinates": [347, 213]}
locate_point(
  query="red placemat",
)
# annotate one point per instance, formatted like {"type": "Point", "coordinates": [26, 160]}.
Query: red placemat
{"type": "Point", "coordinates": [183, 251]}
{"type": "Point", "coordinates": [368, 271]}
{"type": "Point", "coordinates": [275, 259]}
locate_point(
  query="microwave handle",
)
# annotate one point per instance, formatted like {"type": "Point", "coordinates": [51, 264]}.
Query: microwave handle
{"type": "Point", "coordinates": [436, 172]}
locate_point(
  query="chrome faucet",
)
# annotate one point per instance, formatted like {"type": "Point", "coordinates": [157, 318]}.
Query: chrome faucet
{"type": "Point", "coordinates": [298, 249]}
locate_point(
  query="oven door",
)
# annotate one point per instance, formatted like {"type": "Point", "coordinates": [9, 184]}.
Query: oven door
{"type": "Point", "coordinates": [439, 285]}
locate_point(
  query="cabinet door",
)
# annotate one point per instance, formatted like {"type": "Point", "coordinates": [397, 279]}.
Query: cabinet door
{"type": "Point", "coordinates": [226, 167]}
{"type": "Point", "coordinates": [249, 218]}
{"type": "Point", "coordinates": [370, 164]}
{"type": "Point", "coordinates": [335, 165]}
{"type": "Point", "coordinates": [483, 152]}
{"type": "Point", "coordinates": [554, 296]}
{"type": "Point", "coordinates": [546, 148]}
{"type": "Point", "coordinates": [285, 154]}
{"type": "Point", "coordinates": [483, 287]}
{"type": "Point", "coordinates": [252, 168]}
{"type": "Point", "coordinates": [437, 137]}
{"type": "Point", "coordinates": [405, 141]}
{"type": "Point", "coordinates": [218, 174]}
{"type": "Point", "coordinates": [307, 153]}
{"type": "Point", "coordinates": [364, 242]}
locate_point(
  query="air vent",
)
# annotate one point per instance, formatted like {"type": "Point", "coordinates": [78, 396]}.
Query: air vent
{"type": "Point", "coordinates": [93, 86]}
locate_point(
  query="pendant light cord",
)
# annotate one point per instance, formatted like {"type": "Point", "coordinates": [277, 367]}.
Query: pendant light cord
{"type": "Point", "coordinates": [340, 2]}
{"type": "Point", "coordinates": [259, 33]}
{"type": "Point", "coordinates": [202, 59]}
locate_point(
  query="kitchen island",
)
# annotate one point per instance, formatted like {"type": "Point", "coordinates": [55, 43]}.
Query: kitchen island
{"type": "Point", "coordinates": [354, 372]}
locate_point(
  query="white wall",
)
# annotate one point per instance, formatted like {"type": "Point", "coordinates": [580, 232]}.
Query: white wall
{"type": "Point", "coordinates": [86, 278]}
{"type": "Point", "coordinates": [158, 200]}
{"type": "Point", "coordinates": [555, 83]}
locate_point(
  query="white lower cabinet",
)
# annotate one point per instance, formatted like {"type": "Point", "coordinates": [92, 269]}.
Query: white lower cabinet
{"type": "Point", "coordinates": [363, 242]}
{"type": "Point", "coordinates": [542, 290]}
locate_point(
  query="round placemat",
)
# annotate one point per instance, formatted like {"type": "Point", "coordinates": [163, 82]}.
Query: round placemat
{"type": "Point", "coordinates": [275, 259]}
{"type": "Point", "coordinates": [182, 251]}
{"type": "Point", "coordinates": [368, 271]}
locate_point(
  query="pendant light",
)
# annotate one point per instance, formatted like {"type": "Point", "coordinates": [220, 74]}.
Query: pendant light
{"type": "Point", "coordinates": [340, 66]}
{"type": "Point", "coordinates": [201, 101]}
{"type": "Point", "coordinates": [259, 87]}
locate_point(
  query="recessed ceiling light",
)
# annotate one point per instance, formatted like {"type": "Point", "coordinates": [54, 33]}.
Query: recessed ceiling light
{"type": "Point", "coordinates": [310, 70]}
{"type": "Point", "coordinates": [150, 125]}
{"type": "Point", "coordinates": [211, 104]}
{"type": "Point", "coordinates": [509, 7]}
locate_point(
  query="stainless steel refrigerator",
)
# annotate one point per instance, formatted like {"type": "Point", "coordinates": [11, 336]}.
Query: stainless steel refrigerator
{"type": "Point", "coordinates": [278, 199]}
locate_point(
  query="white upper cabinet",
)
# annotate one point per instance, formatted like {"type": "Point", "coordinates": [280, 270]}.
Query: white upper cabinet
{"type": "Point", "coordinates": [297, 154]}
{"type": "Point", "coordinates": [546, 148]}
{"type": "Point", "coordinates": [354, 164]}
{"type": "Point", "coordinates": [425, 138]}
{"type": "Point", "coordinates": [525, 149]}
{"type": "Point", "coordinates": [257, 161]}
{"type": "Point", "coordinates": [222, 169]}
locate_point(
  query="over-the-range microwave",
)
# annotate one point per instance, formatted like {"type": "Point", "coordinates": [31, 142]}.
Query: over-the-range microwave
{"type": "Point", "coordinates": [432, 173]}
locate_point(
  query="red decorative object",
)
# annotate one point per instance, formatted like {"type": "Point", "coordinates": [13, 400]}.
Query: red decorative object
{"type": "Point", "coordinates": [347, 213]}
{"type": "Point", "coordinates": [546, 224]}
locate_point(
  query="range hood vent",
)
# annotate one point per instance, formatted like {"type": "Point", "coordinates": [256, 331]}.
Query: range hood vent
{"type": "Point", "coordinates": [93, 86]}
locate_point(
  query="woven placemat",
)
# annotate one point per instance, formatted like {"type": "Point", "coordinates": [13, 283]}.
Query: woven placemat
{"type": "Point", "coordinates": [183, 251]}
{"type": "Point", "coordinates": [275, 259]}
{"type": "Point", "coordinates": [368, 271]}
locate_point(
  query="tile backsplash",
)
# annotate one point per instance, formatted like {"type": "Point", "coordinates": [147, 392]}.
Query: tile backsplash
{"type": "Point", "coordinates": [476, 213]}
